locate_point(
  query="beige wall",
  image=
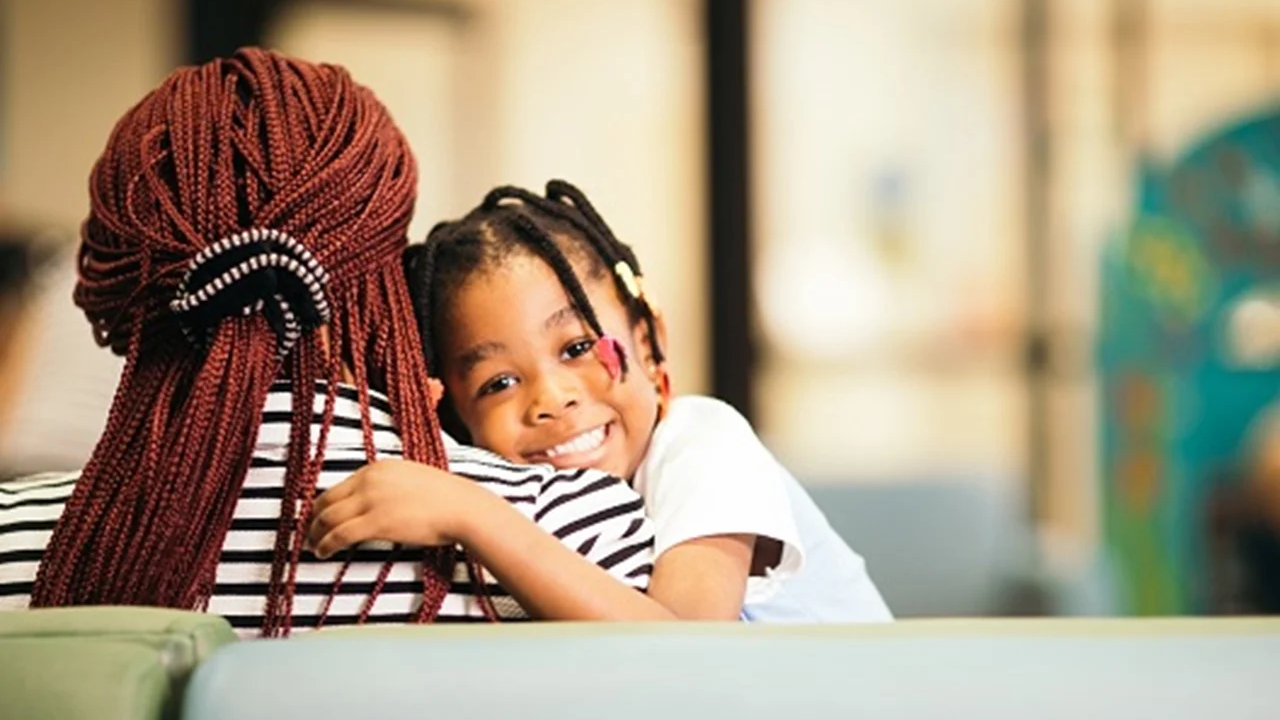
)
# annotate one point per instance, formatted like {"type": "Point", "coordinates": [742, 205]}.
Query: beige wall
{"type": "Point", "coordinates": [888, 326]}
{"type": "Point", "coordinates": [72, 67]}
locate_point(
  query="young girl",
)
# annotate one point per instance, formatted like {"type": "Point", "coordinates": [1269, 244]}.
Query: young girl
{"type": "Point", "coordinates": [535, 318]}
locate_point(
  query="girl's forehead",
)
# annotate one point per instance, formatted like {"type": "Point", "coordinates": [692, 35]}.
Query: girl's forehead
{"type": "Point", "coordinates": [521, 289]}
{"type": "Point", "coordinates": [519, 272]}
{"type": "Point", "coordinates": [510, 294]}
{"type": "Point", "coordinates": [524, 272]}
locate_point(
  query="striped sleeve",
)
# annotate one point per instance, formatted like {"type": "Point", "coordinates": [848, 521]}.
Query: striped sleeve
{"type": "Point", "coordinates": [603, 519]}
{"type": "Point", "coordinates": [595, 514]}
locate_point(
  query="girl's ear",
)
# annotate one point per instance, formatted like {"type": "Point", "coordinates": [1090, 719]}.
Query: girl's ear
{"type": "Point", "coordinates": [435, 391]}
{"type": "Point", "coordinates": [656, 372]}
{"type": "Point", "coordinates": [450, 421]}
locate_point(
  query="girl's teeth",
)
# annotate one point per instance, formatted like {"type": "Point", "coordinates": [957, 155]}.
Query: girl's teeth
{"type": "Point", "coordinates": [589, 440]}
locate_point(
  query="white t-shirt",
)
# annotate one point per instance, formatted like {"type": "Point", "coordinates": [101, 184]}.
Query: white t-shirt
{"type": "Point", "coordinates": [706, 473]}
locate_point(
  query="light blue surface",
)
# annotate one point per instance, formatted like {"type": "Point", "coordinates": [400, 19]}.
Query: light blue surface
{"type": "Point", "coordinates": [943, 548]}
{"type": "Point", "coordinates": [745, 672]}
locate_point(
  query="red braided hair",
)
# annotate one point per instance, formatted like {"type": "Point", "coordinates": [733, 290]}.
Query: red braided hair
{"type": "Point", "coordinates": [257, 140]}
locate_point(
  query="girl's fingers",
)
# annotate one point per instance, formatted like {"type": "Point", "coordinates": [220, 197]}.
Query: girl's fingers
{"type": "Point", "coordinates": [327, 519]}
{"type": "Point", "coordinates": [345, 535]}
{"type": "Point", "coordinates": [337, 493]}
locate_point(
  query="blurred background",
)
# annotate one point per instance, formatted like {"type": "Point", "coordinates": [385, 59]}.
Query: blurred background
{"type": "Point", "coordinates": [999, 280]}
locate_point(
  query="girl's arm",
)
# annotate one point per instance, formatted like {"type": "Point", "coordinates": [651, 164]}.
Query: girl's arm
{"type": "Point", "coordinates": [704, 578]}
{"type": "Point", "coordinates": [411, 503]}
{"type": "Point", "coordinates": [694, 581]}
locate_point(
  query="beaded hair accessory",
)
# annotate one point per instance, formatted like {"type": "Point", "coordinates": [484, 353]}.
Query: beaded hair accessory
{"type": "Point", "coordinates": [257, 270]}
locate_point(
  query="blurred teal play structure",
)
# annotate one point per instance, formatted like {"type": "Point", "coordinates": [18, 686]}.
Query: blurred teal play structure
{"type": "Point", "coordinates": [1189, 355]}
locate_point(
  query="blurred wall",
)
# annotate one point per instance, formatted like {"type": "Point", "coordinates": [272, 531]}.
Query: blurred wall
{"type": "Point", "coordinates": [892, 149]}
{"type": "Point", "coordinates": [71, 68]}
{"type": "Point", "coordinates": [889, 248]}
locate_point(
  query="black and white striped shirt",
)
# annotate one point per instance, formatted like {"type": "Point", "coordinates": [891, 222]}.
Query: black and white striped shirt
{"type": "Point", "coordinates": [599, 516]}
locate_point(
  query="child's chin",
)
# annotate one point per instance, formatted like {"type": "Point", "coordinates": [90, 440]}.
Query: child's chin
{"type": "Point", "coordinates": [607, 464]}
{"type": "Point", "coordinates": [613, 466]}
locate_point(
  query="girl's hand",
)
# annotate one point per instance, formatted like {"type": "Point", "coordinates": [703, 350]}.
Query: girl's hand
{"type": "Point", "coordinates": [393, 500]}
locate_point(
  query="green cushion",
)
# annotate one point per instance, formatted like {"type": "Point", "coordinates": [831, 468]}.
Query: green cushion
{"type": "Point", "coordinates": [102, 662]}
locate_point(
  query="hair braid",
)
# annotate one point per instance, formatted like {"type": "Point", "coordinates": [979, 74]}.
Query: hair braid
{"type": "Point", "coordinates": [611, 250]}
{"type": "Point", "coordinates": [420, 264]}
{"type": "Point", "coordinates": [541, 242]}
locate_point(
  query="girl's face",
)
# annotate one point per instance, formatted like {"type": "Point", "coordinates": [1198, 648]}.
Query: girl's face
{"type": "Point", "coordinates": [520, 367]}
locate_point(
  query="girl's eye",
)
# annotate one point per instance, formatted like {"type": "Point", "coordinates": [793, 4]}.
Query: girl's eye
{"type": "Point", "coordinates": [578, 348]}
{"type": "Point", "coordinates": [496, 385]}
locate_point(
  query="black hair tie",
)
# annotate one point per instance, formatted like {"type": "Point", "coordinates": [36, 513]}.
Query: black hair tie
{"type": "Point", "coordinates": [252, 271]}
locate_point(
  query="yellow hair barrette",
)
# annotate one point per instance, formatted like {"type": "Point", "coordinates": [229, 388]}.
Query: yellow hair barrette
{"type": "Point", "coordinates": [629, 279]}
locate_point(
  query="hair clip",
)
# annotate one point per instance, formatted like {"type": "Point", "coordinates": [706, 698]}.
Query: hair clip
{"type": "Point", "coordinates": [629, 279]}
{"type": "Point", "coordinates": [612, 355]}
{"type": "Point", "coordinates": [260, 270]}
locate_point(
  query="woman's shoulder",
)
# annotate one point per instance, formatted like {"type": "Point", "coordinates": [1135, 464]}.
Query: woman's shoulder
{"type": "Point", "coordinates": [48, 486]}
